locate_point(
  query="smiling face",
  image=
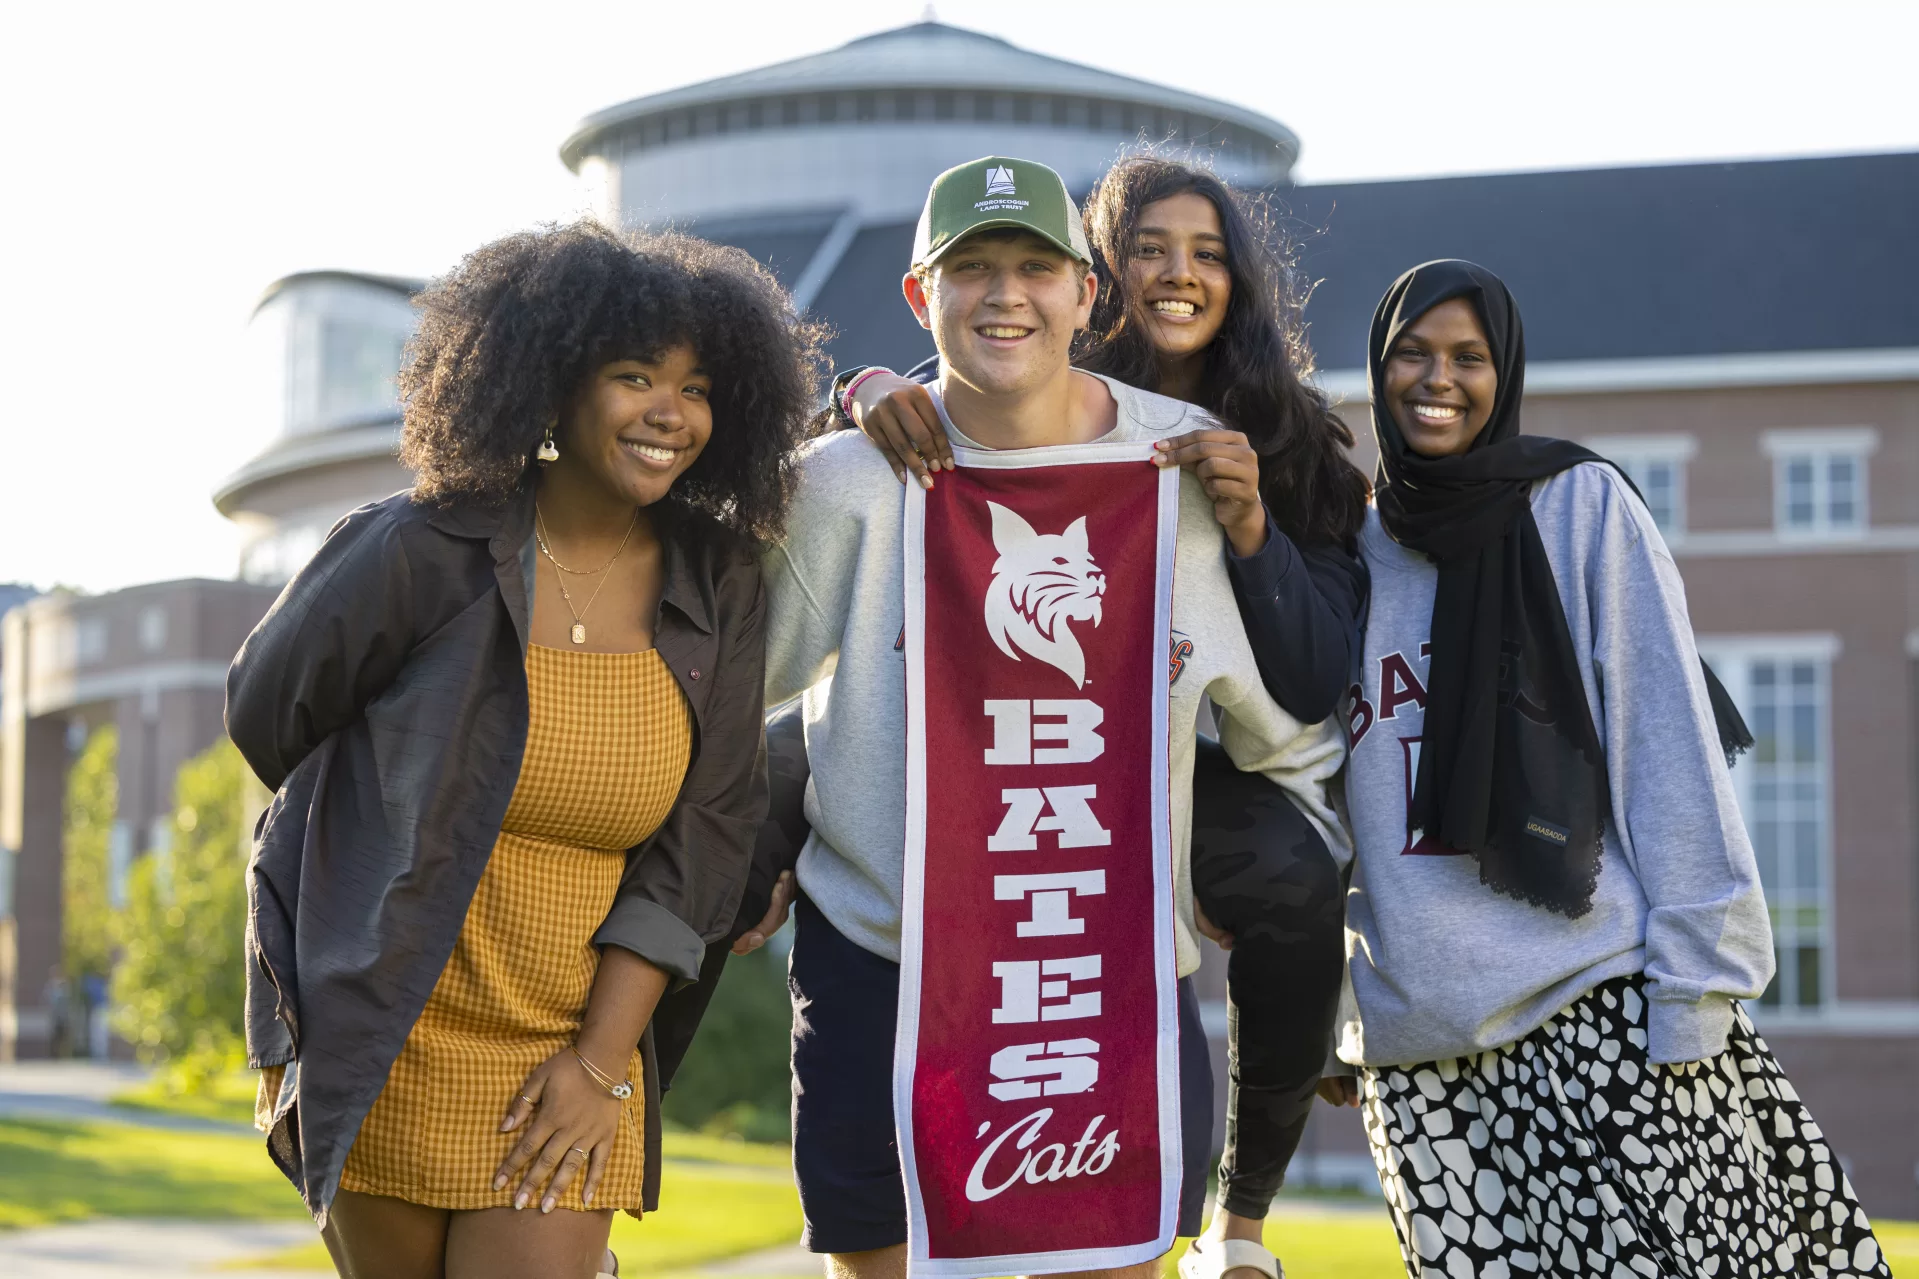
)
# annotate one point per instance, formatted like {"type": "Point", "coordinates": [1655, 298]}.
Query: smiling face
{"type": "Point", "coordinates": [638, 424]}
{"type": "Point", "coordinates": [1003, 310]}
{"type": "Point", "coordinates": [1440, 380]}
{"type": "Point", "coordinates": [1178, 273]}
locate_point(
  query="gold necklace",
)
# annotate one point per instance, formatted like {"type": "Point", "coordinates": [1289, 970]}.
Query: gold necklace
{"type": "Point", "coordinates": [578, 633]}
{"type": "Point", "coordinates": [541, 536]}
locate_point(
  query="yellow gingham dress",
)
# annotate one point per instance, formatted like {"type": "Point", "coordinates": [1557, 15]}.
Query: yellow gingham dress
{"type": "Point", "coordinates": [607, 747]}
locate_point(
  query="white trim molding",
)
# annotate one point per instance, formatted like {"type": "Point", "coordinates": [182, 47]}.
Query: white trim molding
{"type": "Point", "coordinates": [1729, 543]}
{"type": "Point", "coordinates": [300, 453]}
{"type": "Point", "coordinates": [1814, 646]}
{"type": "Point", "coordinates": [1820, 439]}
{"type": "Point", "coordinates": [1665, 447]}
{"type": "Point", "coordinates": [1687, 372]}
{"type": "Point", "coordinates": [1851, 1018]}
{"type": "Point", "coordinates": [64, 690]}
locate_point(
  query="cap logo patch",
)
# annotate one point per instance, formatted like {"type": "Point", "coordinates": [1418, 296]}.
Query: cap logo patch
{"type": "Point", "coordinates": [1000, 193]}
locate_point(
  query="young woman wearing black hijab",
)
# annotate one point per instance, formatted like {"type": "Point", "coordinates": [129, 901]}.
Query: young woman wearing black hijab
{"type": "Point", "coordinates": [1555, 909]}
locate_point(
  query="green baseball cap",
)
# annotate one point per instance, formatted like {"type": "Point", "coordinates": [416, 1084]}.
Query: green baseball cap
{"type": "Point", "coordinates": [998, 191]}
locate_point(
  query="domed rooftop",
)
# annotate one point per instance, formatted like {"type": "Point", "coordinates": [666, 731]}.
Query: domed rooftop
{"type": "Point", "coordinates": [930, 55]}
{"type": "Point", "coordinates": [866, 126]}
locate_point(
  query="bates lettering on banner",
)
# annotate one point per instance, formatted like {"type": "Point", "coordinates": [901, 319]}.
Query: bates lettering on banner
{"type": "Point", "coordinates": [1036, 1076]}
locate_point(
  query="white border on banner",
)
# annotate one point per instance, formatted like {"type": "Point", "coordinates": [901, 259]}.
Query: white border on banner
{"type": "Point", "coordinates": [1165, 955]}
{"type": "Point", "coordinates": [906, 1035]}
{"type": "Point", "coordinates": [913, 893]}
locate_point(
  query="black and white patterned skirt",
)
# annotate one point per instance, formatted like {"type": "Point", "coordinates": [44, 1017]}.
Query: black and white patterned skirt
{"type": "Point", "coordinates": [1566, 1154]}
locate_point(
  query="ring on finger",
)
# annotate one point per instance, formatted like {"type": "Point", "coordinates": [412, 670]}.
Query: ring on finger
{"type": "Point", "coordinates": [581, 1153]}
{"type": "Point", "coordinates": [529, 1101]}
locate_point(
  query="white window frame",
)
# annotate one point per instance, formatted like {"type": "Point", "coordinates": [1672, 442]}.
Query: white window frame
{"type": "Point", "coordinates": [1733, 658]}
{"type": "Point", "coordinates": [1635, 453]}
{"type": "Point", "coordinates": [92, 637]}
{"type": "Point", "coordinates": [1820, 446]}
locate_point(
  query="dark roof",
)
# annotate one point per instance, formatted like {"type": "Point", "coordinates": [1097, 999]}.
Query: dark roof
{"type": "Point", "coordinates": [783, 243]}
{"type": "Point", "coordinates": [862, 301]}
{"type": "Point", "coordinates": [1609, 264]}
{"type": "Point", "coordinates": [12, 593]}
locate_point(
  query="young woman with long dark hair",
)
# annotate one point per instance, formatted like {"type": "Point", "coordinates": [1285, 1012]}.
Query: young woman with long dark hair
{"type": "Point", "coordinates": [514, 716]}
{"type": "Point", "coordinates": [1198, 301]}
{"type": "Point", "coordinates": [1555, 910]}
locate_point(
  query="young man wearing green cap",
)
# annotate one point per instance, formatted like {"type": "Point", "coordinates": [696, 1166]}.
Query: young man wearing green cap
{"type": "Point", "coordinates": [1001, 275]}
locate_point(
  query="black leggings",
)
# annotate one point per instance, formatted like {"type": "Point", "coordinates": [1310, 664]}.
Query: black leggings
{"type": "Point", "coordinates": [1262, 873]}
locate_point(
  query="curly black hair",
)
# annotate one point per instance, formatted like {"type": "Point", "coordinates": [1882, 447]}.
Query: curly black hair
{"type": "Point", "coordinates": [1255, 368]}
{"type": "Point", "coordinates": [520, 325]}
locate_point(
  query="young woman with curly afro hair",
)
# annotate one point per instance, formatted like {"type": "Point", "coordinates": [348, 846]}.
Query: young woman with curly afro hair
{"type": "Point", "coordinates": [514, 719]}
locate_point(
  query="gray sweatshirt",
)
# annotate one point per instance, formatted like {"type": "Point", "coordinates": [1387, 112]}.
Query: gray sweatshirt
{"type": "Point", "coordinates": [835, 617]}
{"type": "Point", "coordinates": [1442, 966]}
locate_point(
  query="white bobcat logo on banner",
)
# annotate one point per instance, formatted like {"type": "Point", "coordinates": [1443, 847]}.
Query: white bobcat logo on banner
{"type": "Point", "coordinates": [1042, 581]}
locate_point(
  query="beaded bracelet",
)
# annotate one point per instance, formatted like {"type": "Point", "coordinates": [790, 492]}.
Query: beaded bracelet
{"type": "Point", "coordinates": [852, 388]}
{"type": "Point", "coordinates": [621, 1089]}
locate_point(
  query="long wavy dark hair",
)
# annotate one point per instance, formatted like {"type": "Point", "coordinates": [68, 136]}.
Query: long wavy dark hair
{"type": "Point", "coordinates": [1254, 371]}
{"type": "Point", "coordinates": [521, 323]}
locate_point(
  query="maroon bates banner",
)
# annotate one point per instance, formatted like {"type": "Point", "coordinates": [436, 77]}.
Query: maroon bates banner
{"type": "Point", "coordinates": [1035, 1073]}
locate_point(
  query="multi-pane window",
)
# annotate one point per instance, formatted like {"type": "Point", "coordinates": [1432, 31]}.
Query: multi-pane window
{"type": "Point", "coordinates": [1819, 480]}
{"type": "Point", "coordinates": [1656, 465]}
{"type": "Point", "coordinates": [358, 365]}
{"type": "Point", "coordinates": [1784, 786]}
{"type": "Point", "coordinates": [277, 557]}
{"type": "Point", "coordinates": [1662, 484]}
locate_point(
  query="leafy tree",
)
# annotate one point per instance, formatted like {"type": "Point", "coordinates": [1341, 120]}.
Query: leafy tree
{"type": "Point", "coordinates": [86, 914]}
{"type": "Point", "coordinates": [736, 1078]}
{"type": "Point", "coordinates": [180, 989]}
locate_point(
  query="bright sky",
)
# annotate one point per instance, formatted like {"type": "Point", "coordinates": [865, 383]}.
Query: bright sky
{"type": "Point", "coordinates": [162, 164]}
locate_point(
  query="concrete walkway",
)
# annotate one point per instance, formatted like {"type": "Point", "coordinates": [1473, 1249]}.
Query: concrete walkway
{"type": "Point", "coordinates": [80, 1089]}
{"type": "Point", "coordinates": [120, 1249]}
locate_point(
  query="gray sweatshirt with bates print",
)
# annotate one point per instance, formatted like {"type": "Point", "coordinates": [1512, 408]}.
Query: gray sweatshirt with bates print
{"type": "Point", "coordinates": [1442, 966]}
{"type": "Point", "coordinates": [835, 612]}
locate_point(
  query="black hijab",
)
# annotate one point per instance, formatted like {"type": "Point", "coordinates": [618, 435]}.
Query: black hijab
{"type": "Point", "coordinates": [1511, 770]}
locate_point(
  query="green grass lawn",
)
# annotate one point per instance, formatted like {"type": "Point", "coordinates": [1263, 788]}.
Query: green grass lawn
{"type": "Point", "coordinates": [56, 1171]}
{"type": "Point", "coordinates": [720, 1198]}
{"type": "Point", "coordinates": [708, 1212]}
{"type": "Point", "coordinates": [1336, 1245]}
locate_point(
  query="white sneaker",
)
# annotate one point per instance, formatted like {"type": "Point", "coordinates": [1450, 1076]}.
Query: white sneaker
{"type": "Point", "coordinates": [1211, 1258]}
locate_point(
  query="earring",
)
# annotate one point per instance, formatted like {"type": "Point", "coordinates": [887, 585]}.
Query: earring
{"type": "Point", "coordinates": [547, 452]}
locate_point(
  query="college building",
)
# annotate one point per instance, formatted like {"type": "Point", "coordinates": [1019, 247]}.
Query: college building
{"type": "Point", "coordinates": [1740, 337]}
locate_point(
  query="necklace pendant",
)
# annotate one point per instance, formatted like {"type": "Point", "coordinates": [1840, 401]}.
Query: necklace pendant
{"type": "Point", "coordinates": [579, 632]}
